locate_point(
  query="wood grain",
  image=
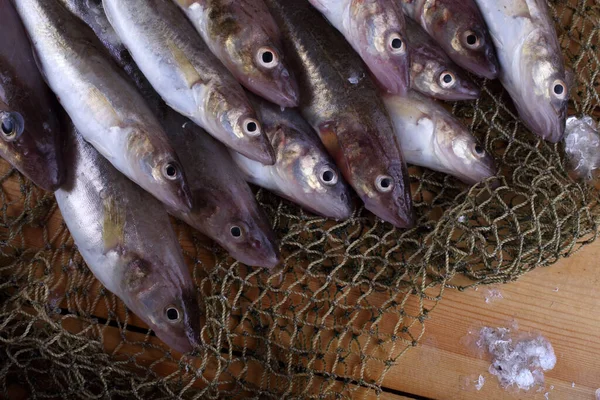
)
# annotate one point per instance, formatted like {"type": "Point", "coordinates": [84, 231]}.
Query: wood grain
{"type": "Point", "coordinates": [561, 302]}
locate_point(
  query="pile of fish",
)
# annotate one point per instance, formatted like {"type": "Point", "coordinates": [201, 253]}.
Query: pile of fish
{"type": "Point", "coordinates": [133, 110]}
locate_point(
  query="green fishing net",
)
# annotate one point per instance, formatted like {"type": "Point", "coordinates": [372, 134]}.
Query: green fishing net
{"type": "Point", "coordinates": [350, 297]}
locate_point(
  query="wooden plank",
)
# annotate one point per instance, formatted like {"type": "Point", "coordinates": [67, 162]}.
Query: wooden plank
{"type": "Point", "coordinates": [561, 302]}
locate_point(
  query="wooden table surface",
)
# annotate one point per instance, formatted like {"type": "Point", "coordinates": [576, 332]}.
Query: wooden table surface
{"type": "Point", "coordinates": [562, 302]}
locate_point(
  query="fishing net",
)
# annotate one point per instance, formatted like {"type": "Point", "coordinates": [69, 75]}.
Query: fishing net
{"type": "Point", "coordinates": [350, 298]}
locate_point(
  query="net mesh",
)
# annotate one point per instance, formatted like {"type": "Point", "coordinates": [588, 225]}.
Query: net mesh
{"type": "Point", "coordinates": [349, 299]}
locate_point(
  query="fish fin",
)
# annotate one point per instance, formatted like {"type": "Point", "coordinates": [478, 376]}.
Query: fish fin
{"type": "Point", "coordinates": [328, 133]}
{"type": "Point", "coordinates": [538, 9]}
{"type": "Point", "coordinates": [187, 3]}
{"type": "Point", "coordinates": [189, 72]}
{"type": "Point", "coordinates": [113, 228]}
{"type": "Point", "coordinates": [98, 101]}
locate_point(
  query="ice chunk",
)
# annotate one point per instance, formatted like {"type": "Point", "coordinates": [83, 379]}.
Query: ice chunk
{"type": "Point", "coordinates": [519, 361]}
{"type": "Point", "coordinates": [582, 145]}
{"type": "Point", "coordinates": [492, 294]}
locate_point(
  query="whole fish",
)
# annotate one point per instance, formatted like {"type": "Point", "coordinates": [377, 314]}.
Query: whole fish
{"type": "Point", "coordinates": [304, 173]}
{"type": "Point", "coordinates": [30, 135]}
{"type": "Point", "coordinates": [187, 75]}
{"type": "Point", "coordinates": [104, 106]}
{"type": "Point", "coordinates": [431, 137]}
{"type": "Point", "coordinates": [533, 69]}
{"type": "Point", "coordinates": [127, 241]}
{"type": "Point", "coordinates": [432, 72]}
{"type": "Point", "coordinates": [244, 36]}
{"type": "Point", "coordinates": [224, 208]}
{"type": "Point", "coordinates": [340, 101]}
{"type": "Point", "coordinates": [376, 30]}
{"type": "Point", "coordinates": [459, 28]}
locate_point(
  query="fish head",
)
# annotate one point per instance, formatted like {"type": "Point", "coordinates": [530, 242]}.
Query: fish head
{"type": "Point", "coordinates": [234, 220]}
{"type": "Point", "coordinates": [312, 178]}
{"type": "Point", "coordinates": [380, 30]}
{"type": "Point", "coordinates": [269, 76]}
{"type": "Point", "coordinates": [33, 145]}
{"type": "Point", "coordinates": [167, 302]}
{"type": "Point", "coordinates": [461, 152]}
{"type": "Point", "coordinates": [543, 106]}
{"type": "Point", "coordinates": [443, 82]}
{"type": "Point", "coordinates": [159, 170]}
{"type": "Point", "coordinates": [241, 129]}
{"type": "Point", "coordinates": [380, 180]}
{"type": "Point", "coordinates": [256, 58]}
{"type": "Point", "coordinates": [461, 31]}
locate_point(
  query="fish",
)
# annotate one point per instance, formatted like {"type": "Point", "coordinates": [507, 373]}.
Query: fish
{"type": "Point", "coordinates": [244, 36]}
{"type": "Point", "coordinates": [30, 134]}
{"type": "Point", "coordinates": [304, 172]}
{"type": "Point", "coordinates": [223, 206]}
{"type": "Point", "coordinates": [533, 70]}
{"type": "Point", "coordinates": [189, 78]}
{"type": "Point", "coordinates": [459, 28]}
{"type": "Point", "coordinates": [126, 239]}
{"type": "Point", "coordinates": [432, 72]}
{"type": "Point", "coordinates": [433, 138]}
{"type": "Point", "coordinates": [341, 102]}
{"type": "Point", "coordinates": [376, 29]}
{"type": "Point", "coordinates": [107, 110]}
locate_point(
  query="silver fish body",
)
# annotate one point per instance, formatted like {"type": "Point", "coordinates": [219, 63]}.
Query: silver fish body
{"type": "Point", "coordinates": [376, 30]}
{"type": "Point", "coordinates": [304, 172]}
{"type": "Point", "coordinates": [127, 241]}
{"type": "Point", "coordinates": [341, 102]}
{"type": "Point", "coordinates": [431, 137]}
{"type": "Point", "coordinates": [432, 72]}
{"type": "Point", "coordinates": [459, 28]}
{"type": "Point", "coordinates": [104, 106]}
{"type": "Point", "coordinates": [533, 69]}
{"type": "Point", "coordinates": [187, 75]}
{"type": "Point", "coordinates": [244, 36]}
{"type": "Point", "coordinates": [30, 133]}
{"type": "Point", "coordinates": [222, 203]}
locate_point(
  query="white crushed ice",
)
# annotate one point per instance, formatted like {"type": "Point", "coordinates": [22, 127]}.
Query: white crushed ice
{"type": "Point", "coordinates": [597, 394]}
{"type": "Point", "coordinates": [519, 361]}
{"type": "Point", "coordinates": [582, 145]}
{"type": "Point", "coordinates": [480, 383]}
{"type": "Point", "coordinates": [492, 294]}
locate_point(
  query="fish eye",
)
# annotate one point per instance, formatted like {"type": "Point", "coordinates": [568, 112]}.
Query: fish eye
{"type": "Point", "coordinates": [173, 314]}
{"type": "Point", "coordinates": [559, 89]}
{"type": "Point", "coordinates": [171, 171]}
{"type": "Point", "coordinates": [236, 232]}
{"type": "Point", "coordinates": [478, 150]}
{"type": "Point", "coordinates": [252, 127]}
{"type": "Point", "coordinates": [396, 43]}
{"type": "Point", "coordinates": [384, 183]}
{"type": "Point", "coordinates": [447, 79]}
{"type": "Point", "coordinates": [267, 57]}
{"type": "Point", "coordinates": [472, 40]}
{"type": "Point", "coordinates": [11, 125]}
{"type": "Point", "coordinates": [328, 176]}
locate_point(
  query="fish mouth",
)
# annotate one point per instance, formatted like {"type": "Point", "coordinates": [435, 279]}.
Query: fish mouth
{"type": "Point", "coordinates": [46, 171]}
{"type": "Point", "coordinates": [281, 90]}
